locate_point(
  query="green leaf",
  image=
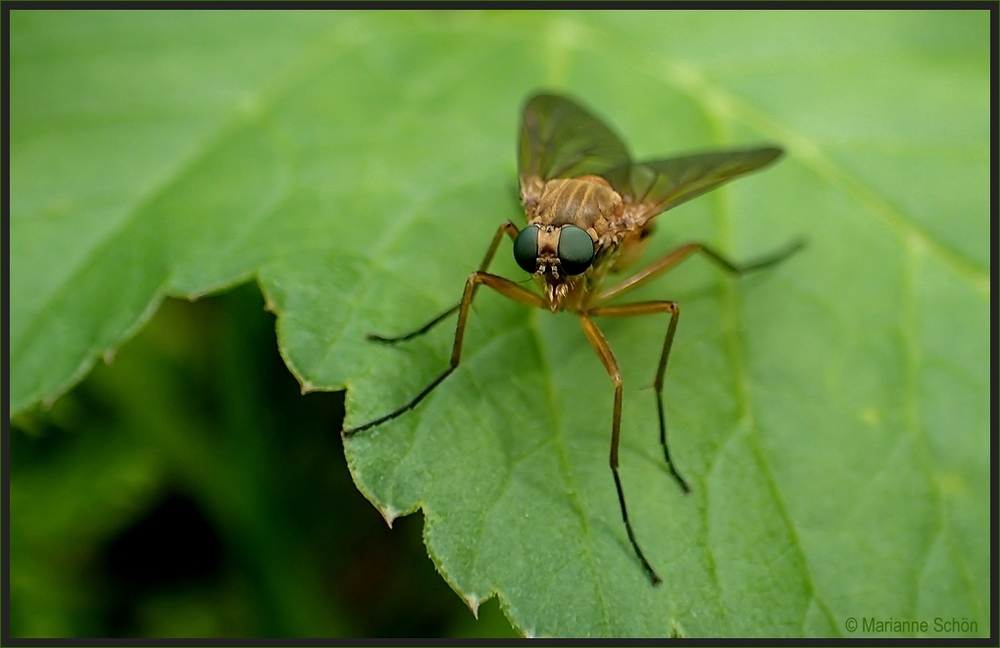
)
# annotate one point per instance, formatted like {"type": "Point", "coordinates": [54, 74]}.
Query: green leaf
{"type": "Point", "coordinates": [831, 414]}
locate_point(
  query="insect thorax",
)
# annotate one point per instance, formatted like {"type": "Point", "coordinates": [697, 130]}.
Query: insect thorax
{"type": "Point", "coordinates": [588, 202]}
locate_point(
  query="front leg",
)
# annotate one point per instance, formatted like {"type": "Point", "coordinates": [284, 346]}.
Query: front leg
{"type": "Point", "coordinates": [503, 286]}
{"type": "Point", "coordinates": [507, 228]}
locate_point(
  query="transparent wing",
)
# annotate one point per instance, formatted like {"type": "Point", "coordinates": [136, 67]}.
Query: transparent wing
{"type": "Point", "coordinates": [651, 188]}
{"type": "Point", "coordinates": [559, 139]}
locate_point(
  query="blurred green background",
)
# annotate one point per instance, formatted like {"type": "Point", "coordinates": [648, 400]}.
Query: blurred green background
{"type": "Point", "coordinates": [188, 489]}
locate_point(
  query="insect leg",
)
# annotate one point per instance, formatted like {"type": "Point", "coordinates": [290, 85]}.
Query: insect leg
{"type": "Point", "coordinates": [507, 228]}
{"type": "Point", "coordinates": [503, 286]}
{"type": "Point", "coordinates": [679, 254]}
{"type": "Point", "coordinates": [600, 345]}
{"type": "Point", "coordinates": [647, 308]}
{"type": "Point", "coordinates": [374, 337]}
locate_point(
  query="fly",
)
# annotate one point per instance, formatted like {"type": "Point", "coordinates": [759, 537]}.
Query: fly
{"type": "Point", "coordinates": [590, 212]}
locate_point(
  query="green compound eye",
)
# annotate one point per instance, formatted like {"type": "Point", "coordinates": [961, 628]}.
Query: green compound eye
{"type": "Point", "coordinates": [526, 248]}
{"type": "Point", "coordinates": [576, 250]}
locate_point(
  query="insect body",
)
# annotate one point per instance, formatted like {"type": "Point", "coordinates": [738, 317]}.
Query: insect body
{"type": "Point", "coordinates": [590, 212]}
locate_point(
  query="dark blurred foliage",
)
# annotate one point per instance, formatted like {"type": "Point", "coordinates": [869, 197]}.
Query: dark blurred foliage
{"type": "Point", "coordinates": [187, 488]}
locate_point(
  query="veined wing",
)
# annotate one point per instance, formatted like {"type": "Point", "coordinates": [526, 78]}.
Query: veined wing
{"type": "Point", "coordinates": [559, 139]}
{"type": "Point", "coordinates": [651, 188]}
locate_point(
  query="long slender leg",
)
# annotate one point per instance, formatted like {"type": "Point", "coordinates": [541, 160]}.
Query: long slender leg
{"type": "Point", "coordinates": [507, 228]}
{"type": "Point", "coordinates": [503, 286]}
{"type": "Point", "coordinates": [375, 337]}
{"type": "Point", "coordinates": [677, 255]}
{"type": "Point", "coordinates": [600, 345]}
{"type": "Point", "coordinates": [647, 308]}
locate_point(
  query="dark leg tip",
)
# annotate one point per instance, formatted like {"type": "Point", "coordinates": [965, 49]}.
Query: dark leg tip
{"type": "Point", "coordinates": [677, 478]}
{"type": "Point", "coordinates": [790, 249]}
{"type": "Point", "coordinates": [381, 339]}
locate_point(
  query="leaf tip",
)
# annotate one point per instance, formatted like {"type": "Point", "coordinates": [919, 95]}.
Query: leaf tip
{"type": "Point", "coordinates": [389, 515]}
{"type": "Point", "coordinates": [108, 355]}
{"type": "Point", "coordinates": [307, 387]}
{"type": "Point", "coordinates": [473, 601]}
